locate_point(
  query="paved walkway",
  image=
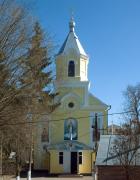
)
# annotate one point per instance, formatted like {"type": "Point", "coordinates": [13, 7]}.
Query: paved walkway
{"type": "Point", "coordinates": [43, 176]}
{"type": "Point", "coordinates": [59, 178]}
{"type": "Point", "coordinates": [64, 178]}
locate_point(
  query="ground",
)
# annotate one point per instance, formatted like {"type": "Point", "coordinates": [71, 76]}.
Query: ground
{"type": "Point", "coordinates": [41, 175]}
{"type": "Point", "coordinates": [53, 178]}
{"type": "Point", "coordinates": [58, 178]}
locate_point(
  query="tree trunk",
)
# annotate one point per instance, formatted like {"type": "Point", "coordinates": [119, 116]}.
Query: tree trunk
{"type": "Point", "coordinates": [127, 173]}
{"type": "Point", "coordinates": [17, 171]}
{"type": "Point", "coordinates": [30, 153]}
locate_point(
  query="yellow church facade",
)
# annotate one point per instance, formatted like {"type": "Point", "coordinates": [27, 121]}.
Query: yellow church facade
{"type": "Point", "coordinates": [70, 144]}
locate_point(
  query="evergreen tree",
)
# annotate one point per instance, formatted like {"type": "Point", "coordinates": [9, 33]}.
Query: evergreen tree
{"type": "Point", "coordinates": [39, 73]}
{"type": "Point", "coordinates": [22, 80]}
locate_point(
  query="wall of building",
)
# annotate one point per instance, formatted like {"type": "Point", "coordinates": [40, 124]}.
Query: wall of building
{"type": "Point", "coordinates": [86, 166]}
{"type": "Point", "coordinates": [55, 167]}
{"type": "Point", "coordinates": [41, 156]}
{"type": "Point", "coordinates": [84, 125]}
{"type": "Point", "coordinates": [117, 173]}
{"type": "Point", "coordinates": [57, 127]}
{"type": "Point", "coordinates": [80, 66]}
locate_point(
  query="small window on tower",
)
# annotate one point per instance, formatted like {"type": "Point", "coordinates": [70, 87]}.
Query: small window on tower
{"type": "Point", "coordinates": [71, 69]}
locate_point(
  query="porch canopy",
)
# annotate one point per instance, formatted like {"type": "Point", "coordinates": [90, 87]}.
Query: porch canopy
{"type": "Point", "coordinates": [69, 145]}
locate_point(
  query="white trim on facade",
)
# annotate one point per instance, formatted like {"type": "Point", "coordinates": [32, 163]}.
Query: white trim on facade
{"type": "Point", "coordinates": [64, 83]}
{"type": "Point", "coordinates": [73, 95]}
{"type": "Point", "coordinates": [86, 97]}
{"type": "Point", "coordinates": [95, 107]}
{"type": "Point", "coordinates": [67, 161]}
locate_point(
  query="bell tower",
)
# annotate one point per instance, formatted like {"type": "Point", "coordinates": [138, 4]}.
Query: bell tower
{"type": "Point", "coordinates": [71, 60]}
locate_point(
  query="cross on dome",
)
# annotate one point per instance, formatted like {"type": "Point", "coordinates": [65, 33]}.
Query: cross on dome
{"type": "Point", "coordinates": [72, 24]}
{"type": "Point", "coordinates": [72, 41]}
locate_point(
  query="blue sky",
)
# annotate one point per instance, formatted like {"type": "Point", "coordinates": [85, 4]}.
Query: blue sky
{"type": "Point", "coordinates": [109, 31]}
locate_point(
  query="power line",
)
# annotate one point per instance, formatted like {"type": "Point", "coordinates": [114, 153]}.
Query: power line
{"type": "Point", "coordinates": [63, 119]}
{"type": "Point", "coordinates": [117, 113]}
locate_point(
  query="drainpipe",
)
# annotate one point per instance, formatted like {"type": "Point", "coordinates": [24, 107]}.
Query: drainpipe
{"type": "Point", "coordinates": [107, 109]}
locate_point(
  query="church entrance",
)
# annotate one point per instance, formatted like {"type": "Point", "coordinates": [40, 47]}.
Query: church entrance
{"type": "Point", "coordinates": [73, 162]}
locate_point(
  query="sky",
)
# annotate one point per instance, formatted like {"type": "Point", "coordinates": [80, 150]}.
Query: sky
{"type": "Point", "coordinates": [109, 31]}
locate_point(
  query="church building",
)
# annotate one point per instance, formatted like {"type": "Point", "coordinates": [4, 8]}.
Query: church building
{"type": "Point", "coordinates": [65, 144]}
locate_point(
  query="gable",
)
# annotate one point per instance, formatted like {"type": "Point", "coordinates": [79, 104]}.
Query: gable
{"type": "Point", "coordinates": [94, 101]}
{"type": "Point", "coordinates": [70, 98]}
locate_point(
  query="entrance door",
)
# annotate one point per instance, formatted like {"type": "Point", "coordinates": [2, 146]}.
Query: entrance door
{"type": "Point", "coordinates": [73, 162]}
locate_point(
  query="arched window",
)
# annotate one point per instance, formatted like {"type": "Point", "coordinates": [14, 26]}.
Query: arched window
{"type": "Point", "coordinates": [70, 129]}
{"type": "Point", "coordinates": [71, 69]}
{"type": "Point", "coordinates": [45, 135]}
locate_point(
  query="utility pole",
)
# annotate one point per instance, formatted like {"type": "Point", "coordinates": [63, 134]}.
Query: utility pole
{"type": "Point", "coordinates": [112, 128]}
{"type": "Point", "coordinates": [96, 132]}
{"type": "Point", "coordinates": [95, 138]}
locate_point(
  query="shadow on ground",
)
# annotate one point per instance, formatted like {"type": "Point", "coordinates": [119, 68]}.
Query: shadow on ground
{"type": "Point", "coordinates": [41, 173]}
{"type": "Point", "coordinates": [38, 173]}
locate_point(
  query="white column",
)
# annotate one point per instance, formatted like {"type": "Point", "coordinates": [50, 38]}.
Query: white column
{"type": "Point", "coordinates": [67, 162]}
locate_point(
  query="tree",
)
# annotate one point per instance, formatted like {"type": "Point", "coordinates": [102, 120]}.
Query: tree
{"type": "Point", "coordinates": [127, 142]}
{"type": "Point", "coordinates": [37, 70]}
{"type": "Point", "coordinates": [132, 101]}
{"type": "Point", "coordinates": [38, 74]}
{"type": "Point", "coordinates": [14, 40]}
{"type": "Point", "coordinates": [23, 57]}
{"type": "Point", "coordinates": [14, 35]}
{"type": "Point", "coordinates": [125, 148]}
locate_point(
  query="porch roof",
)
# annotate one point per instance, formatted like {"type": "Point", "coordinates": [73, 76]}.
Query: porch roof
{"type": "Point", "coordinates": [69, 145]}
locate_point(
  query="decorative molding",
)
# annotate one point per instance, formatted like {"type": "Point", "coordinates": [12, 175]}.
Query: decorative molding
{"type": "Point", "coordinates": [70, 97]}
{"type": "Point", "coordinates": [95, 107]}
{"type": "Point", "coordinates": [73, 95]}
{"type": "Point", "coordinates": [64, 83]}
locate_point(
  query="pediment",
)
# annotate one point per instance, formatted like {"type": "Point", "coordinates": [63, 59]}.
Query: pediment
{"type": "Point", "coordinates": [93, 100]}
{"type": "Point", "coordinates": [70, 95]}
{"type": "Point", "coordinates": [70, 98]}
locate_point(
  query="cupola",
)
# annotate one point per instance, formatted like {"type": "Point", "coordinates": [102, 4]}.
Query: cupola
{"type": "Point", "coordinates": [72, 60]}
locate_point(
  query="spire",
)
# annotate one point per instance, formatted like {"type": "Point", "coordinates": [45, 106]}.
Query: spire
{"type": "Point", "coordinates": [72, 41]}
{"type": "Point", "coordinates": [71, 24]}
